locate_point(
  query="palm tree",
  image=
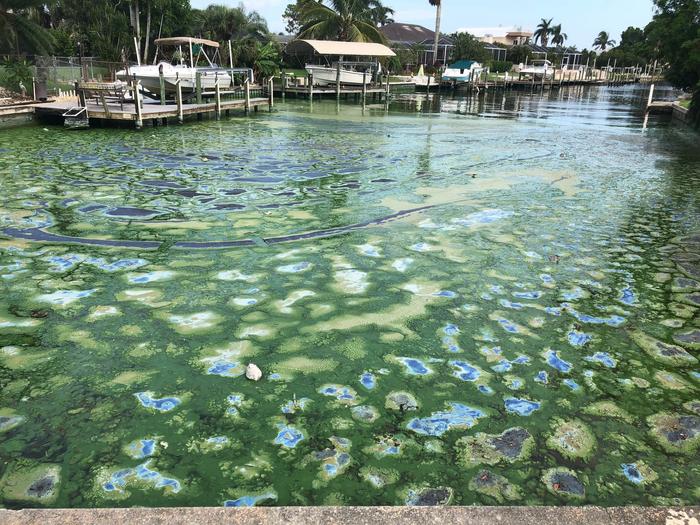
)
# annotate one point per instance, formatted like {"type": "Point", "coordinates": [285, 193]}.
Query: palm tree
{"type": "Point", "coordinates": [382, 15]}
{"type": "Point", "coordinates": [558, 38]}
{"type": "Point", "coordinates": [18, 32]}
{"type": "Point", "coordinates": [438, 14]}
{"type": "Point", "coordinates": [603, 41]}
{"type": "Point", "coordinates": [544, 29]}
{"type": "Point", "coordinates": [347, 20]}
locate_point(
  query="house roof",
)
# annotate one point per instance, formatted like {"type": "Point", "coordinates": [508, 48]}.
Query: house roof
{"type": "Point", "coordinates": [462, 64]}
{"type": "Point", "coordinates": [332, 47]}
{"type": "Point", "coordinates": [495, 32]}
{"type": "Point", "coordinates": [405, 33]}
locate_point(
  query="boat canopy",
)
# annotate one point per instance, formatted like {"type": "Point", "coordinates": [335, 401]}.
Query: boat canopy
{"type": "Point", "coordinates": [180, 40]}
{"type": "Point", "coordinates": [462, 64]}
{"type": "Point", "coordinates": [332, 47]}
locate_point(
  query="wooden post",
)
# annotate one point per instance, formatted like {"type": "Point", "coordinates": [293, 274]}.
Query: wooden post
{"type": "Point", "coordinates": [162, 85]}
{"type": "Point", "coordinates": [218, 99]}
{"type": "Point", "coordinates": [651, 95]}
{"type": "Point", "coordinates": [230, 55]}
{"type": "Point", "coordinates": [337, 80]}
{"type": "Point", "coordinates": [310, 79]}
{"type": "Point", "coordinates": [247, 96]}
{"type": "Point", "coordinates": [388, 87]}
{"type": "Point", "coordinates": [272, 93]}
{"type": "Point", "coordinates": [364, 88]}
{"type": "Point", "coordinates": [178, 98]}
{"type": "Point", "coordinates": [284, 83]}
{"type": "Point", "coordinates": [198, 86]}
{"type": "Point", "coordinates": [137, 100]}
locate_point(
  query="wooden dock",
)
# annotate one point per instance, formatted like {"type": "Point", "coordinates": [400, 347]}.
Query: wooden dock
{"type": "Point", "coordinates": [153, 113]}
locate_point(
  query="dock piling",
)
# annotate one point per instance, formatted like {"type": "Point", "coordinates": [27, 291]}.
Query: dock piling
{"type": "Point", "coordinates": [178, 97]}
{"type": "Point", "coordinates": [247, 96]}
{"type": "Point", "coordinates": [217, 92]}
{"type": "Point", "coordinates": [162, 85]}
{"type": "Point", "coordinates": [271, 87]}
{"type": "Point", "coordinates": [137, 101]}
{"type": "Point", "coordinates": [198, 86]}
{"type": "Point", "coordinates": [337, 81]}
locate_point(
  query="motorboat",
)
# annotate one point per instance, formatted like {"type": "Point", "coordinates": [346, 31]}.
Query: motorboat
{"type": "Point", "coordinates": [537, 68]}
{"type": "Point", "coordinates": [462, 71]}
{"type": "Point", "coordinates": [423, 81]}
{"type": "Point", "coordinates": [177, 68]}
{"type": "Point", "coordinates": [327, 76]}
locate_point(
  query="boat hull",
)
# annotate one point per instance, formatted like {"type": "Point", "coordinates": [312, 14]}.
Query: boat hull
{"type": "Point", "coordinates": [149, 76]}
{"type": "Point", "coordinates": [327, 76]}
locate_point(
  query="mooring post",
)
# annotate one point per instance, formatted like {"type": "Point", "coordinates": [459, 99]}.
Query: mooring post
{"type": "Point", "coordinates": [364, 88]}
{"type": "Point", "coordinates": [284, 83]}
{"type": "Point", "coordinates": [137, 100]}
{"type": "Point", "coordinates": [651, 95]}
{"type": "Point", "coordinates": [162, 85]}
{"type": "Point", "coordinates": [272, 92]}
{"type": "Point", "coordinates": [178, 98]}
{"type": "Point", "coordinates": [217, 92]}
{"type": "Point", "coordinates": [198, 86]}
{"type": "Point", "coordinates": [247, 96]}
{"type": "Point", "coordinates": [388, 87]}
{"type": "Point", "coordinates": [310, 80]}
{"type": "Point", "coordinates": [337, 80]}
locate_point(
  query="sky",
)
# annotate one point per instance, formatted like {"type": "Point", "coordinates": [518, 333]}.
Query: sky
{"type": "Point", "coordinates": [581, 20]}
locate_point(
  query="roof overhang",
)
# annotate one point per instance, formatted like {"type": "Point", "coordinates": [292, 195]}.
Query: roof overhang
{"type": "Point", "coordinates": [333, 47]}
{"type": "Point", "coordinates": [179, 40]}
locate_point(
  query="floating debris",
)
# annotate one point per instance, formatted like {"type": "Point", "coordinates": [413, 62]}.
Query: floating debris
{"type": "Point", "coordinates": [676, 433]}
{"type": "Point", "coordinates": [252, 372]}
{"type": "Point", "coordinates": [512, 445]}
{"type": "Point", "coordinates": [429, 497]}
{"type": "Point", "coordinates": [564, 482]}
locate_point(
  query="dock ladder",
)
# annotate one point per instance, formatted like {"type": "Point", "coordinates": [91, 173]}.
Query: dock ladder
{"type": "Point", "coordinates": [76, 118]}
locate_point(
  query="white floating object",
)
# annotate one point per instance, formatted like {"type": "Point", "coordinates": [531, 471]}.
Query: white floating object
{"type": "Point", "coordinates": [252, 372]}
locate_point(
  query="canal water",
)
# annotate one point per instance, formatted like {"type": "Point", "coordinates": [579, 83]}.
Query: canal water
{"type": "Point", "coordinates": [487, 300]}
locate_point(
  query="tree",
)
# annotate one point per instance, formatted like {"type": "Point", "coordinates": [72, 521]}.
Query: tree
{"type": "Point", "coordinates": [543, 31]}
{"type": "Point", "coordinates": [438, 14]}
{"type": "Point", "coordinates": [467, 47]}
{"type": "Point", "coordinates": [382, 15]}
{"type": "Point", "coordinates": [19, 30]}
{"type": "Point", "coordinates": [603, 41]}
{"type": "Point", "coordinates": [347, 20]}
{"type": "Point", "coordinates": [293, 14]}
{"type": "Point", "coordinates": [674, 33]}
{"type": "Point", "coordinates": [558, 38]}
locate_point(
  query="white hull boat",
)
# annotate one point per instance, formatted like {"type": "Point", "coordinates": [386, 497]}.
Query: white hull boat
{"type": "Point", "coordinates": [538, 68]}
{"type": "Point", "coordinates": [326, 76]}
{"type": "Point", "coordinates": [149, 76]}
{"type": "Point", "coordinates": [423, 81]}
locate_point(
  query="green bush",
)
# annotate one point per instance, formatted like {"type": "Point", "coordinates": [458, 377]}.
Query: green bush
{"type": "Point", "coordinates": [501, 66]}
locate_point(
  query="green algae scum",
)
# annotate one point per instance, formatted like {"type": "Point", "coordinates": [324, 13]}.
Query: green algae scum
{"type": "Point", "coordinates": [480, 305]}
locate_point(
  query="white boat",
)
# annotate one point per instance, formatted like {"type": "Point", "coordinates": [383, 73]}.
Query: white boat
{"type": "Point", "coordinates": [537, 68]}
{"type": "Point", "coordinates": [326, 76]}
{"type": "Point", "coordinates": [462, 71]}
{"type": "Point", "coordinates": [149, 75]}
{"type": "Point", "coordinates": [423, 81]}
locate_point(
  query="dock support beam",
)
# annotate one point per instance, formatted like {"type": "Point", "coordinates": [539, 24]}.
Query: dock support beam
{"type": "Point", "coordinates": [137, 100]}
{"type": "Point", "coordinates": [178, 96]}
{"type": "Point", "coordinates": [364, 88]}
{"type": "Point", "coordinates": [162, 85]}
{"type": "Point", "coordinates": [198, 86]}
{"type": "Point", "coordinates": [218, 100]}
{"type": "Point", "coordinates": [272, 92]}
{"type": "Point", "coordinates": [337, 81]}
{"type": "Point", "coordinates": [310, 79]}
{"type": "Point", "coordinates": [247, 96]}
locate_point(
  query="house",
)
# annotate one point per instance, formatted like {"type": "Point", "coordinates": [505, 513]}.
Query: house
{"type": "Point", "coordinates": [508, 36]}
{"type": "Point", "coordinates": [408, 35]}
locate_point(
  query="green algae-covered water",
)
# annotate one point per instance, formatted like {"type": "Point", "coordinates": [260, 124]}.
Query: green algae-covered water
{"type": "Point", "coordinates": [479, 301]}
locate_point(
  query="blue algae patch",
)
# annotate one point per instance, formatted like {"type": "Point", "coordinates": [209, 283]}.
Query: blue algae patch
{"type": "Point", "coordinates": [249, 501]}
{"type": "Point", "coordinates": [119, 479]}
{"type": "Point", "coordinates": [528, 295]}
{"type": "Point", "coordinates": [288, 436]}
{"type": "Point", "coordinates": [141, 448]}
{"type": "Point", "coordinates": [275, 376]}
{"type": "Point", "coordinates": [414, 366]}
{"type": "Point", "coordinates": [627, 296]}
{"type": "Point", "coordinates": [632, 473]}
{"type": "Point", "coordinates": [465, 371]}
{"type": "Point", "coordinates": [295, 268]}
{"type": "Point", "coordinates": [521, 360]}
{"type": "Point", "coordinates": [522, 407]}
{"type": "Point", "coordinates": [450, 329]}
{"type": "Point", "coordinates": [368, 380]}
{"type": "Point", "coordinates": [341, 393]}
{"type": "Point", "coordinates": [546, 278]}
{"type": "Point", "coordinates": [553, 310]}
{"type": "Point", "coordinates": [515, 384]}
{"type": "Point", "coordinates": [458, 416]}
{"type": "Point", "coordinates": [577, 338]}
{"type": "Point", "coordinates": [505, 303]}
{"type": "Point", "coordinates": [218, 440]}
{"type": "Point", "coordinates": [572, 295]}
{"type": "Point", "coordinates": [483, 217]}
{"type": "Point", "coordinates": [164, 404]}
{"type": "Point", "coordinates": [502, 366]}
{"type": "Point", "coordinates": [446, 293]}
{"type": "Point", "coordinates": [421, 247]}
{"type": "Point", "coordinates": [573, 385]}
{"type": "Point", "coordinates": [542, 377]}
{"type": "Point", "coordinates": [368, 250]}
{"type": "Point", "coordinates": [508, 326]}
{"type": "Point", "coordinates": [485, 389]}
{"type": "Point", "coordinates": [555, 361]}
{"type": "Point", "coordinates": [294, 405]}
{"type": "Point", "coordinates": [497, 289]}
{"type": "Point", "coordinates": [235, 401]}
{"type": "Point", "coordinates": [225, 369]}
{"type": "Point", "coordinates": [695, 374]}
{"type": "Point", "coordinates": [603, 358]}
{"type": "Point", "coordinates": [613, 320]}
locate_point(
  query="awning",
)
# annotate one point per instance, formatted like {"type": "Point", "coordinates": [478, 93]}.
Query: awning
{"type": "Point", "coordinates": [180, 40]}
{"type": "Point", "coordinates": [332, 47]}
